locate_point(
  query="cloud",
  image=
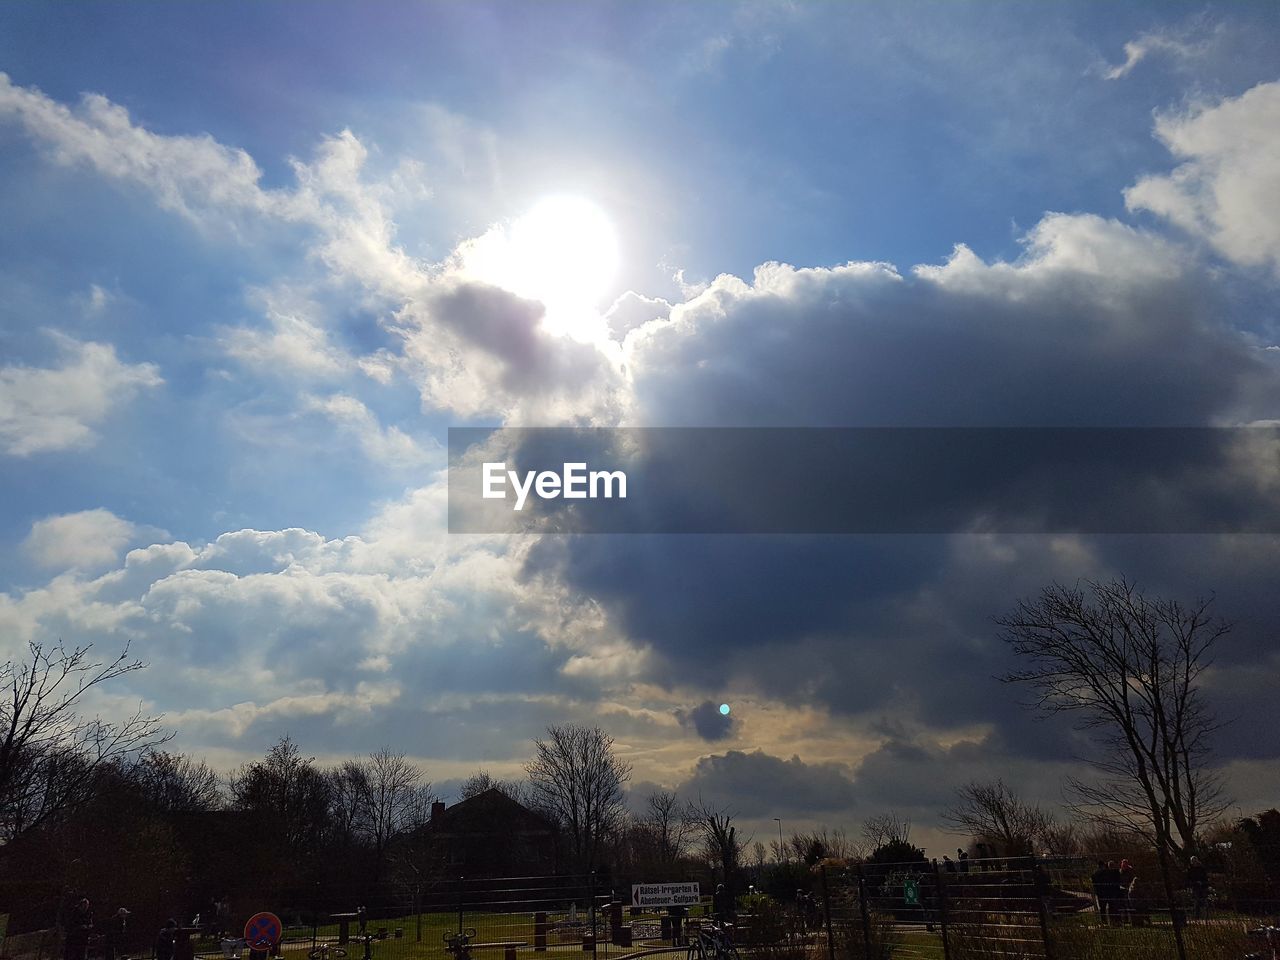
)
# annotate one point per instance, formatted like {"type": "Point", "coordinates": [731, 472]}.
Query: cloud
{"type": "Point", "coordinates": [759, 785]}
{"type": "Point", "coordinates": [1178, 44]}
{"type": "Point", "coordinates": [1228, 189]}
{"type": "Point", "coordinates": [471, 348]}
{"type": "Point", "coordinates": [90, 538]}
{"type": "Point", "coordinates": [389, 446]}
{"type": "Point", "coordinates": [632, 310]}
{"type": "Point", "coordinates": [707, 721]}
{"type": "Point", "coordinates": [46, 409]}
{"type": "Point", "coordinates": [1096, 324]}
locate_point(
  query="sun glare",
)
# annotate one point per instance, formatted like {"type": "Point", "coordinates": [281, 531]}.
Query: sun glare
{"type": "Point", "coordinates": [564, 253]}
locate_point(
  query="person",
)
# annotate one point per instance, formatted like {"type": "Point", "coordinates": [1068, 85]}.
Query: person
{"type": "Point", "coordinates": [166, 940]}
{"type": "Point", "coordinates": [720, 903]}
{"type": "Point", "coordinates": [1101, 892]}
{"type": "Point", "coordinates": [1198, 884]}
{"type": "Point", "coordinates": [963, 860]}
{"type": "Point", "coordinates": [1126, 877]}
{"type": "Point", "coordinates": [114, 940]}
{"type": "Point", "coordinates": [948, 864]}
{"type": "Point", "coordinates": [79, 926]}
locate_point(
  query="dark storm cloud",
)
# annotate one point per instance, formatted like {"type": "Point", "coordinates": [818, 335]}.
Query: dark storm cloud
{"type": "Point", "coordinates": [760, 785]}
{"type": "Point", "coordinates": [507, 328]}
{"type": "Point", "coordinates": [707, 721]}
{"type": "Point", "coordinates": [1099, 325]}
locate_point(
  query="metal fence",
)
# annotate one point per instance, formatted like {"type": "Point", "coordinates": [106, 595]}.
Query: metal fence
{"type": "Point", "coordinates": [1028, 908]}
{"type": "Point", "coordinates": [1001, 909]}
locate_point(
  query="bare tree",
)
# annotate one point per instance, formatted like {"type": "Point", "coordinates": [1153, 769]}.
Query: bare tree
{"type": "Point", "coordinates": [665, 815]}
{"type": "Point", "coordinates": [396, 801]}
{"type": "Point", "coordinates": [1128, 667]}
{"type": "Point", "coordinates": [173, 782]}
{"type": "Point", "coordinates": [576, 777]}
{"type": "Point", "coordinates": [994, 814]}
{"type": "Point", "coordinates": [721, 844]}
{"type": "Point", "coordinates": [885, 829]}
{"type": "Point", "coordinates": [48, 750]}
{"type": "Point", "coordinates": [482, 780]}
{"type": "Point", "coordinates": [811, 846]}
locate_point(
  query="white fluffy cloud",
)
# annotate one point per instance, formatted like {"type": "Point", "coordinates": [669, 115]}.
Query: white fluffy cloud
{"type": "Point", "coordinates": [45, 409]}
{"type": "Point", "coordinates": [90, 538]}
{"type": "Point", "coordinates": [470, 348]}
{"type": "Point", "coordinates": [1227, 190]}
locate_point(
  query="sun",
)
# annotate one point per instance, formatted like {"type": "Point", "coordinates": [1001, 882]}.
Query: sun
{"type": "Point", "coordinates": [564, 253]}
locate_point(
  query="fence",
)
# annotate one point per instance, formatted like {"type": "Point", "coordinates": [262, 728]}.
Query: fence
{"type": "Point", "coordinates": [1025, 908]}
{"type": "Point", "coordinates": [990, 909]}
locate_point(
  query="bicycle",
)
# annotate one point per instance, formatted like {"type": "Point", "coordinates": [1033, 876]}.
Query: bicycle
{"type": "Point", "coordinates": [459, 944]}
{"type": "Point", "coordinates": [326, 951]}
{"type": "Point", "coordinates": [714, 941]}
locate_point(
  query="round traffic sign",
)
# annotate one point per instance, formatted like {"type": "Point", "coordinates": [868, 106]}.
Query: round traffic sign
{"type": "Point", "coordinates": [263, 930]}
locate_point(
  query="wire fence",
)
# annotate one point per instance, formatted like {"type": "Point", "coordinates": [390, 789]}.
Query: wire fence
{"type": "Point", "coordinates": [990, 909]}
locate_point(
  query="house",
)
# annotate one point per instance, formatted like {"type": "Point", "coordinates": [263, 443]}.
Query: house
{"type": "Point", "coordinates": [488, 835]}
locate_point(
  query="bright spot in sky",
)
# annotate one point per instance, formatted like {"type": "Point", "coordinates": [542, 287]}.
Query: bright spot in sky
{"type": "Point", "coordinates": [564, 253]}
{"type": "Point", "coordinates": [724, 709]}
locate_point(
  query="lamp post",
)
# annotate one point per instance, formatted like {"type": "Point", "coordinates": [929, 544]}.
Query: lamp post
{"type": "Point", "coordinates": [782, 851]}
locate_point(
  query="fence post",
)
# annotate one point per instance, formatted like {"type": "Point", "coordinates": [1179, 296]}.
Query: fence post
{"type": "Point", "coordinates": [866, 914]}
{"type": "Point", "coordinates": [1040, 881]}
{"type": "Point", "coordinates": [944, 918]}
{"type": "Point", "coordinates": [460, 906]}
{"type": "Point", "coordinates": [591, 914]}
{"type": "Point", "coordinates": [826, 912]}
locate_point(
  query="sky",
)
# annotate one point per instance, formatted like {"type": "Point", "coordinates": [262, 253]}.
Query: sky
{"type": "Point", "coordinates": [257, 258]}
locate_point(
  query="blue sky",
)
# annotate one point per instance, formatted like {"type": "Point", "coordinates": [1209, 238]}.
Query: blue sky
{"type": "Point", "coordinates": [249, 281]}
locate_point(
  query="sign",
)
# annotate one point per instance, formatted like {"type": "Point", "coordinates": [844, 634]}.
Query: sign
{"type": "Point", "coordinates": [911, 892]}
{"type": "Point", "coordinates": [665, 894]}
{"type": "Point", "coordinates": [263, 930]}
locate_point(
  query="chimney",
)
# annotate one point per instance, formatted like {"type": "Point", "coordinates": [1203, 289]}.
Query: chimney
{"type": "Point", "coordinates": [437, 808]}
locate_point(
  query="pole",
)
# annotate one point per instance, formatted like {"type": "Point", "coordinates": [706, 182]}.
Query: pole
{"type": "Point", "coordinates": [826, 912]}
{"type": "Point", "coordinates": [781, 849]}
{"type": "Point", "coordinates": [1041, 881]}
{"type": "Point", "coordinates": [942, 910]}
{"type": "Point", "coordinates": [866, 915]}
{"type": "Point", "coordinates": [417, 908]}
{"type": "Point", "coordinates": [591, 913]}
{"type": "Point", "coordinates": [460, 906]}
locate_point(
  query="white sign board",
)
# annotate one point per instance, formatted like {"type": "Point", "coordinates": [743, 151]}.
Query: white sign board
{"type": "Point", "coordinates": [665, 894]}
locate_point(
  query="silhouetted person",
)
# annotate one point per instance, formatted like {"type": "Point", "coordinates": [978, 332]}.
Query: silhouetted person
{"type": "Point", "coordinates": [948, 864]}
{"type": "Point", "coordinates": [79, 925]}
{"type": "Point", "coordinates": [113, 942]}
{"type": "Point", "coordinates": [1198, 884]}
{"type": "Point", "coordinates": [166, 940]}
{"type": "Point", "coordinates": [963, 860]}
{"type": "Point", "coordinates": [1106, 886]}
{"type": "Point", "coordinates": [1126, 877]}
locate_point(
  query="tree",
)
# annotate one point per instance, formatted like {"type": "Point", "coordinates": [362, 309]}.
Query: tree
{"type": "Point", "coordinates": [575, 777]}
{"type": "Point", "coordinates": [290, 789]}
{"type": "Point", "coordinates": [49, 752]}
{"type": "Point", "coordinates": [174, 783]}
{"type": "Point", "coordinates": [811, 846]}
{"type": "Point", "coordinates": [482, 780]}
{"type": "Point", "coordinates": [665, 815]}
{"type": "Point", "coordinates": [396, 800]}
{"type": "Point", "coordinates": [721, 845]}
{"type": "Point", "coordinates": [889, 838]}
{"type": "Point", "coordinates": [994, 814]}
{"type": "Point", "coordinates": [1128, 667]}
{"type": "Point", "coordinates": [886, 829]}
